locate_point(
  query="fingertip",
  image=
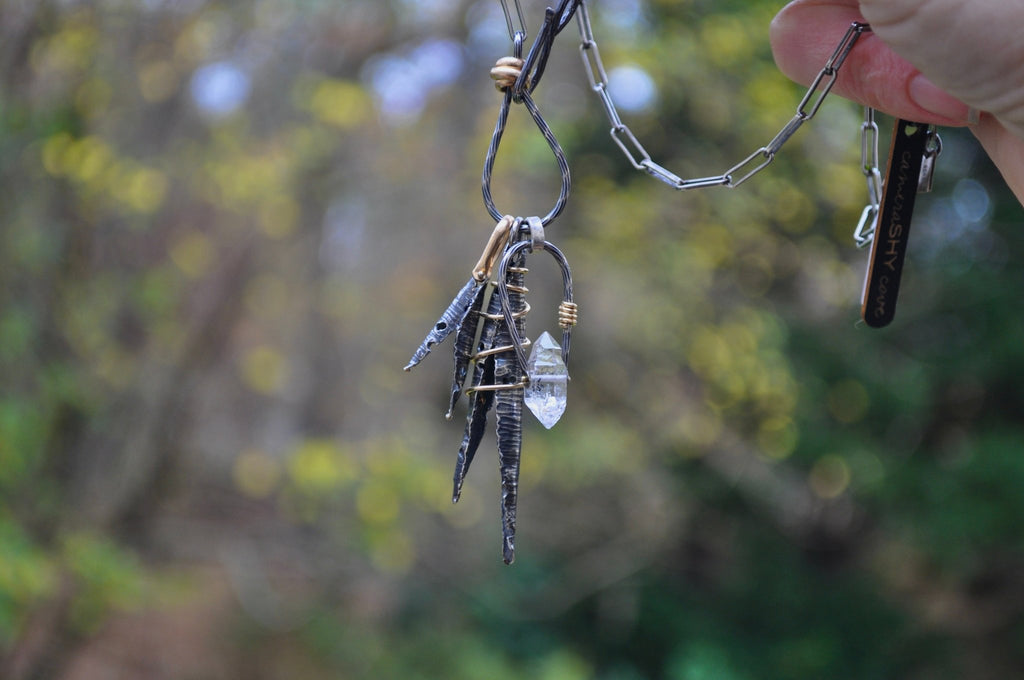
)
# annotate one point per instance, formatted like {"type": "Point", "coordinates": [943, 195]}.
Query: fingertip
{"type": "Point", "coordinates": [786, 49]}
{"type": "Point", "coordinates": [937, 101]}
{"type": "Point", "coordinates": [778, 37]}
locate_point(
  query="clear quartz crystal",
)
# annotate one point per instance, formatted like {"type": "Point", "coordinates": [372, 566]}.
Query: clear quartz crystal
{"type": "Point", "coordinates": [549, 381]}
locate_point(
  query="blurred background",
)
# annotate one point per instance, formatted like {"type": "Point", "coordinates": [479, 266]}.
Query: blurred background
{"type": "Point", "coordinates": [225, 227]}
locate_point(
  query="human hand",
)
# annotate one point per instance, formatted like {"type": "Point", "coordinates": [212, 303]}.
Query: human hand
{"type": "Point", "coordinates": [928, 61]}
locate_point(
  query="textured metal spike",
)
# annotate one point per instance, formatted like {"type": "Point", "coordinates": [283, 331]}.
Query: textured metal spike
{"type": "Point", "coordinates": [509, 412]}
{"type": "Point", "coordinates": [476, 424]}
{"type": "Point", "coordinates": [476, 420]}
{"type": "Point", "coordinates": [463, 351]}
{"type": "Point", "coordinates": [448, 322]}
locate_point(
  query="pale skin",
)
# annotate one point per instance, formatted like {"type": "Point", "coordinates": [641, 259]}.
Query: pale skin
{"type": "Point", "coordinates": [948, 62]}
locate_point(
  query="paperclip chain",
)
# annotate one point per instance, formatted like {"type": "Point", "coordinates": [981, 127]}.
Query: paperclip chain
{"type": "Point", "coordinates": [513, 29]}
{"type": "Point", "coordinates": [745, 169]}
{"type": "Point", "coordinates": [865, 230]}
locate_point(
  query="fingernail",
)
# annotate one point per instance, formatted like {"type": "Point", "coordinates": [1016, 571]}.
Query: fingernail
{"type": "Point", "coordinates": [934, 99]}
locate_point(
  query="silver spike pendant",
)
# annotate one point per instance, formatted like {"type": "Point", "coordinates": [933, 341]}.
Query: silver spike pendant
{"type": "Point", "coordinates": [488, 319]}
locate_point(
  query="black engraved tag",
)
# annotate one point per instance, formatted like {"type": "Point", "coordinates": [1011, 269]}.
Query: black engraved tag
{"type": "Point", "coordinates": [882, 285]}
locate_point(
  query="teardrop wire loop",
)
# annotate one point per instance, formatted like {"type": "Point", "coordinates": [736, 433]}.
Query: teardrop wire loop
{"type": "Point", "coordinates": [549, 137]}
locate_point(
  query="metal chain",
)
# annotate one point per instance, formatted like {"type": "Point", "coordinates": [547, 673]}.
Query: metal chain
{"type": "Point", "coordinates": [749, 166]}
{"type": "Point", "coordinates": [513, 29]}
{"type": "Point", "coordinates": [864, 234]}
{"type": "Point", "coordinates": [634, 150]}
{"type": "Point", "coordinates": [865, 230]}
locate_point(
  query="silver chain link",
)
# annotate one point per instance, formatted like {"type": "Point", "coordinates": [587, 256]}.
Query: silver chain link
{"type": "Point", "coordinates": [513, 29]}
{"type": "Point", "coordinates": [869, 158]}
{"type": "Point", "coordinates": [749, 166]}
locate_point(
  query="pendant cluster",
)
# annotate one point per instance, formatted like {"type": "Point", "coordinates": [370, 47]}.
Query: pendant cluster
{"type": "Point", "coordinates": [488, 319]}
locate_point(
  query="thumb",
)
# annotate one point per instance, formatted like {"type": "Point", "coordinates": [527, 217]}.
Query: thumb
{"type": "Point", "coordinates": [972, 50]}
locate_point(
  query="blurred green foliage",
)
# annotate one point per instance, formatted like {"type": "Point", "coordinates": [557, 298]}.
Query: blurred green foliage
{"type": "Point", "coordinates": [225, 227]}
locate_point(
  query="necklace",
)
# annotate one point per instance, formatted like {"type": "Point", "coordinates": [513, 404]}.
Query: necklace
{"type": "Point", "coordinates": [487, 316]}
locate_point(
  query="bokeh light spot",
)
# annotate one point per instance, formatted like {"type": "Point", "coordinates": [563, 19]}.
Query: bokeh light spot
{"type": "Point", "coordinates": [623, 15]}
{"type": "Point", "coordinates": [632, 89]}
{"type": "Point", "coordinates": [279, 215]}
{"type": "Point", "coordinates": [778, 437]}
{"type": "Point", "coordinates": [319, 467]}
{"type": "Point", "coordinates": [393, 551]}
{"type": "Point", "coordinates": [158, 81]}
{"type": "Point", "coordinates": [255, 473]}
{"type": "Point", "coordinates": [263, 370]}
{"type": "Point", "coordinates": [403, 84]}
{"type": "Point", "coordinates": [829, 477]}
{"type": "Point", "coordinates": [192, 254]}
{"type": "Point", "coordinates": [848, 401]}
{"type": "Point", "coordinates": [145, 190]}
{"type": "Point", "coordinates": [341, 103]}
{"type": "Point", "coordinates": [971, 200]}
{"type": "Point", "coordinates": [377, 503]}
{"type": "Point", "coordinates": [219, 89]}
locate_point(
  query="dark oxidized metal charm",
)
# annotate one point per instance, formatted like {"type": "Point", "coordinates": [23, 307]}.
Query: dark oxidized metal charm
{"type": "Point", "coordinates": [449, 321]}
{"type": "Point", "coordinates": [488, 320]}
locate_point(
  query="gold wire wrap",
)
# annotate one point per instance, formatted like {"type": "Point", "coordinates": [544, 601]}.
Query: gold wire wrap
{"type": "Point", "coordinates": [501, 317]}
{"type": "Point", "coordinates": [568, 314]}
{"type": "Point", "coordinates": [506, 72]}
{"type": "Point", "coordinates": [497, 388]}
{"type": "Point", "coordinates": [498, 350]}
{"type": "Point", "coordinates": [523, 290]}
